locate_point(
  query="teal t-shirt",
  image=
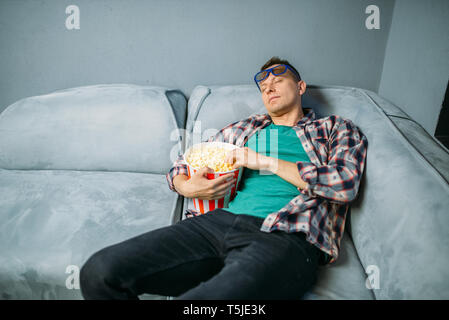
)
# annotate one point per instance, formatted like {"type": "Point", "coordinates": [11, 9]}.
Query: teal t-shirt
{"type": "Point", "coordinates": [262, 192]}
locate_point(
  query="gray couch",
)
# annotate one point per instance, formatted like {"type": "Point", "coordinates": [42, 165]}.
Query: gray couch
{"type": "Point", "coordinates": [81, 169]}
{"type": "Point", "coordinates": [84, 168]}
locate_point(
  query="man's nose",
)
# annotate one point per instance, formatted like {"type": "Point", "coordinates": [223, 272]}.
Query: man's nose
{"type": "Point", "coordinates": [269, 87]}
{"type": "Point", "coordinates": [269, 82]}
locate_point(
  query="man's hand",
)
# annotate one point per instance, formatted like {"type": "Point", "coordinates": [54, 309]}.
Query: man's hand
{"type": "Point", "coordinates": [246, 157]}
{"type": "Point", "coordinates": [199, 186]}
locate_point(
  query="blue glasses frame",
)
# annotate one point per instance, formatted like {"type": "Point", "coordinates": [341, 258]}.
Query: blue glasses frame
{"type": "Point", "coordinates": [271, 70]}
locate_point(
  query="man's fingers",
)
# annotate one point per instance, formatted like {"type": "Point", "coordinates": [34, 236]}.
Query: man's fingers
{"type": "Point", "coordinates": [221, 194]}
{"type": "Point", "coordinates": [222, 179]}
{"type": "Point", "coordinates": [204, 170]}
{"type": "Point", "coordinates": [225, 186]}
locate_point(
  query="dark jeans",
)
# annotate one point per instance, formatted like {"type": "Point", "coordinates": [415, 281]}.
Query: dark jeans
{"type": "Point", "coordinates": [218, 255]}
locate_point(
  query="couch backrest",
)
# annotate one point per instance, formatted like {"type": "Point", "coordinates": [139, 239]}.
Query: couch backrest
{"type": "Point", "coordinates": [111, 127]}
{"type": "Point", "coordinates": [399, 220]}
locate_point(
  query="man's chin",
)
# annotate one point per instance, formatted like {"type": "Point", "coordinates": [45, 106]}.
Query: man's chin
{"type": "Point", "coordinates": [277, 110]}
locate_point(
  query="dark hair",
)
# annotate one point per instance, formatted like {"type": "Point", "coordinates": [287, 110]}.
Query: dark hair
{"type": "Point", "coordinates": [277, 60]}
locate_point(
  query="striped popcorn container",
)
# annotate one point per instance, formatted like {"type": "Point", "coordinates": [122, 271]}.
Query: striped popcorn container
{"type": "Point", "coordinates": [208, 205]}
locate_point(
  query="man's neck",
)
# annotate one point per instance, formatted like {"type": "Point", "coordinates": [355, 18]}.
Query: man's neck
{"type": "Point", "coordinates": [288, 119]}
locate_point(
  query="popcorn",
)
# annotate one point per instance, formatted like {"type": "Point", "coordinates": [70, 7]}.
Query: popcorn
{"type": "Point", "coordinates": [213, 157]}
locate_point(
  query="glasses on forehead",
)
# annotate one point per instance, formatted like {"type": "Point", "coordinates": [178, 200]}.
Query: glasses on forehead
{"type": "Point", "coordinates": [276, 71]}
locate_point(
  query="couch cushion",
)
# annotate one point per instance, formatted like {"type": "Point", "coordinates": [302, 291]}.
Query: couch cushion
{"type": "Point", "coordinates": [51, 219]}
{"type": "Point", "coordinates": [343, 280]}
{"type": "Point", "coordinates": [114, 127]}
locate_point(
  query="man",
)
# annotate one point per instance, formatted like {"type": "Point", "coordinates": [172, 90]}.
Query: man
{"type": "Point", "coordinates": [287, 217]}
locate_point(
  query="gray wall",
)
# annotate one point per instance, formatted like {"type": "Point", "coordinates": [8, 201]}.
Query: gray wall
{"type": "Point", "coordinates": [416, 68]}
{"type": "Point", "coordinates": [183, 43]}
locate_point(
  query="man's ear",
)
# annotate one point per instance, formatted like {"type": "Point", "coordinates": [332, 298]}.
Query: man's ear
{"type": "Point", "coordinates": [302, 87]}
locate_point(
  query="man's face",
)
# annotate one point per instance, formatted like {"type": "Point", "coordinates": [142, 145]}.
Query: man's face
{"type": "Point", "coordinates": [280, 93]}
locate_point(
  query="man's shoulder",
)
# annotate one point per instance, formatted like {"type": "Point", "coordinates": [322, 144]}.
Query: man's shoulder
{"type": "Point", "coordinates": [335, 121]}
{"type": "Point", "coordinates": [334, 125]}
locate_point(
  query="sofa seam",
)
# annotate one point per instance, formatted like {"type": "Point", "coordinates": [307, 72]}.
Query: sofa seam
{"type": "Point", "coordinates": [418, 124]}
{"type": "Point", "coordinates": [198, 107]}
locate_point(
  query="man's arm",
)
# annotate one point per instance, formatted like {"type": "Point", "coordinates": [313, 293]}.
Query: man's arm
{"type": "Point", "coordinates": [179, 168]}
{"type": "Point", "coordinates": [178, 183]}
{"type": "Point", "coordinates": [339, 180]}
{"type": "Point", "coordinates": [199, 186]}
{"type": "Point", "coordinates": [286, 170]}
{"type": "Point", "coordinates": [246, 157]}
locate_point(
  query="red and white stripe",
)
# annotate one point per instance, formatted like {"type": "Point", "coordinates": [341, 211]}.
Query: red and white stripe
{"type": "Point", "coordinates": [208, 205]}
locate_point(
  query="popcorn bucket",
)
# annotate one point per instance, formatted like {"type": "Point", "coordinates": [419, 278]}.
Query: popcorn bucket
{"type": "Point", "coordinates": [208, 205]}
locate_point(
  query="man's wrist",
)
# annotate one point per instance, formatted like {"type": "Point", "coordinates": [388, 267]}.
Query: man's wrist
{"type": "Point", "coordinates": [271, 164]}
{"type": "Point", "coordinates": [274, 166]}
{"type": "Point", "coordinates": [179, 183]}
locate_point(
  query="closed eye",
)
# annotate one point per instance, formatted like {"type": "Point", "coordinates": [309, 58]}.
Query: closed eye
{"type": "Point", "coordinates": [278, 79]}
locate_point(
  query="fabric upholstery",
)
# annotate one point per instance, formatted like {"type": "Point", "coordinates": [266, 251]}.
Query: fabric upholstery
{"type": "Point", "coordinates": [116, 127]}
{"type": "Point", "coordinates": [344, 280]}
{"type": "Point", "coordinates": [430, 148]}
{"type": "Point", "coordinates": [83, 168]}
{"type": "Point", "coordinates": [51, 219]}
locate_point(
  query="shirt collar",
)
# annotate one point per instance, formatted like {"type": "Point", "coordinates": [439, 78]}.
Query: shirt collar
{"type": "Point", "coordinates": [309, 116]}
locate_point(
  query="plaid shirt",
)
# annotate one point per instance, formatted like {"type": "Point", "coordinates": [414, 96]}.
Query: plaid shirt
{"type": "Point", "coordinates": [337, 150]}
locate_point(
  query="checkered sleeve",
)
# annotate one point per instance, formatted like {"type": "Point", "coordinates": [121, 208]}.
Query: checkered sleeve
{"type": "Point", "coordinates": [339, 180]}
{"type": "Point", "coordinates": [179, 167]}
